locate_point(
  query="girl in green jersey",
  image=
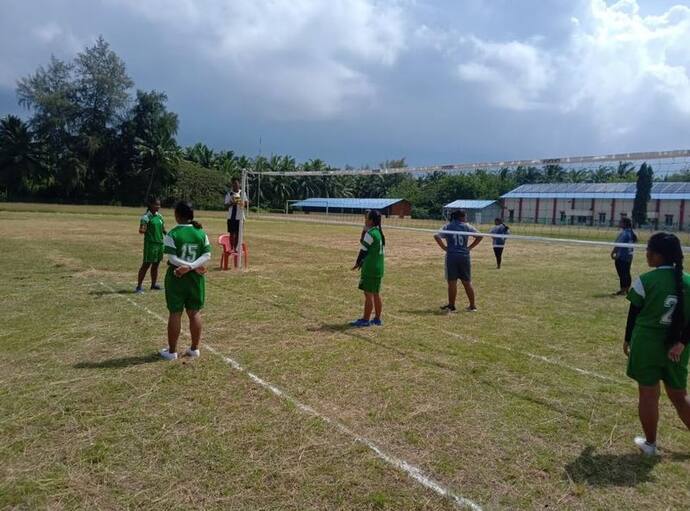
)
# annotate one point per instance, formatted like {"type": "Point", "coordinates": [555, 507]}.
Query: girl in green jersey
{"type": "Point", "coordinates": [657, 333]}
{"type": "Point", "coordinates": [370, 261]}
{"type": "Point", "coordinates": [152, 226]}
{"type": "Point", "coordinates": [188, 251]}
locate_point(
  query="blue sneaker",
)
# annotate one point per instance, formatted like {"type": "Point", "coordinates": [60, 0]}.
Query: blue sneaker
{"type": "Point", "coordinates": [376, 322]}
{"type": "Point", "coordinates": [139, 291]}
{"type": "Point", "coordinates": [360, 323]}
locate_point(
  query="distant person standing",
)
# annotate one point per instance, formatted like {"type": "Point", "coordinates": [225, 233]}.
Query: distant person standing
{"type": "Point", "coordinates": [152, 226]}
{"type": "Point", "coordinates": [458, 263]}
{"type": "Point", "coordinates": [236, 202]}
{"type": "Point", "coordinates": [623, 256]}
{"type": "Point", "coordinates": [499, 243]}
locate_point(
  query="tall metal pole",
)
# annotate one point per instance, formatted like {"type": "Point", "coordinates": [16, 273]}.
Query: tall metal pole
{"type": "Point", "coordinates": [240, 235]}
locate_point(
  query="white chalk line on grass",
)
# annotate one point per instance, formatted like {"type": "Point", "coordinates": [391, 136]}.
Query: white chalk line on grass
{"type": "Point", "coordinates": [527, 354]}
{"type": "Point", "coordinates": [411, 470]}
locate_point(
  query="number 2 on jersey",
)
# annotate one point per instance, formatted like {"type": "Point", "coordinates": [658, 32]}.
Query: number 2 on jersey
{"type": "Point", "coordinates": [670, 303]}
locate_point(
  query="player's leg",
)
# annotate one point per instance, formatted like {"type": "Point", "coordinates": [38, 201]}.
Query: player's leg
{"type": "Point", "coordinates": [626, 278]}
{"type": "Point", "coordinates": [469, 291]}
{"type": "Point", "coordinates": [368, 305]}
{"type": "Point", "coordinates": [378, 305]}
{"type": "Point", "coordinates": [174, 327]}
{"type": "Point", "coordinates": [680, 399]}
{"type": "Point", "coordinates": [452, 293]}
{"type": "Point", "coordinates": [154, 275]}
{"type": "Point", "coordinates": [142, 274]}
{"type": "Point", "coordinates": [648, 410]}
{"type": "Point", "coordinates": [498, 253]}
{"type": "Point", "coordinates": [194, 328]}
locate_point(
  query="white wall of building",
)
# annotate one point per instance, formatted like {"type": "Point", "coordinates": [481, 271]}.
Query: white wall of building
{"type": "Point", "coordinates": [580, 210]}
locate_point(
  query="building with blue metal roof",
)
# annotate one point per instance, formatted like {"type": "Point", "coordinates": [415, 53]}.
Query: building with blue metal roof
{"type": "Point", "coordinates": [596, 204]}
{"type": "Point", "coordinates": [478, 211]}
{"type": "Point", "coordinates": [388, 207]}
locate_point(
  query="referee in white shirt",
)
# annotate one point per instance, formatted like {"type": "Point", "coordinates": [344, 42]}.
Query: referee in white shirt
{"type": "Point", "coordinates": [236, 202]}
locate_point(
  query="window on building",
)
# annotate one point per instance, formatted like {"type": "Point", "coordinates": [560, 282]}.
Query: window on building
{"type": "Point", "coordinates": [581, 219]}
{"type": "Point", "coordinates": [624, 215]}
{"type": "Point", "coordinates": [602, 218]}
{"type": "Point", "coordinates": [511, 215]}
{"type": "Point", "coordinates": [563, 217]}
{"type": "Point", "coordinates": [669, 220]}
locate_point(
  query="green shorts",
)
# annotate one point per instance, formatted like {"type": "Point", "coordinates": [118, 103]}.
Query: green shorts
{"type": "Point", "coordinates": [186, 292]}
{"type": "Point", "coordinates": [648, 362]}
{"type": "Point", "coordinates": [153, 252]}
{"type": "Point", "coordinates": [370, 284]}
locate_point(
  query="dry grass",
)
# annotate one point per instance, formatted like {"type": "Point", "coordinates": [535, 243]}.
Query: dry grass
{"type": "Point", "coordinates": [91, 419]}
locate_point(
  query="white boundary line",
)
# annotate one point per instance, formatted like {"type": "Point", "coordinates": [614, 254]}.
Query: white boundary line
{"type": "Point", "coordinates": [411, 470]}
{"type": "Point", "coordinates": [516, 237]}
{"type": "Point", "coordinates": [475, 340]}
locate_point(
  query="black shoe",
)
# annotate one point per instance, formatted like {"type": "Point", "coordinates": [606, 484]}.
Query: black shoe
{"type": "Point", "coordinates": [448, 308]}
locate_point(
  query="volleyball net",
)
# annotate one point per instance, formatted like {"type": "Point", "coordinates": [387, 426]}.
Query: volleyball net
{"type": "Point", "coordinates": [571, 199]}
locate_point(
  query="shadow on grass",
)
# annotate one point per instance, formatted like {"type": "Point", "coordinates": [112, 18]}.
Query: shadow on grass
{"type": "Point", "coordinates": [610, 295]}
{"type": "Point", "coordinates": [119, 363]}
{"type": "Point", "coordinates": [105, 292]}
{"type": "Point", "coordinates": [615, 470]}
{"type": "Point", "coordinates": [333, 327]}
{"type": "Point", "coordinates": [425, 312]}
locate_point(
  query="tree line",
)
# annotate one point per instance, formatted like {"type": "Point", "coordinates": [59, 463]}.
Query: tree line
{"type": "Point", "coordinates": [90, 138]}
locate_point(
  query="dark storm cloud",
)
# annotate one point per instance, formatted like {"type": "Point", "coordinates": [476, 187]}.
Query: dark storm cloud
{"type": "Point", "coordinates": [360, 81]}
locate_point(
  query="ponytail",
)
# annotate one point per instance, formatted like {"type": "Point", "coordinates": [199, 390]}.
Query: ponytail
{"type": "Point", "coordinates": [185, 212]}
{"type": "Point", "coordinates": [677, 320]}
{"type": "Point", "coordinates": [375, 217]}
{"type": "Point", "coordinates": [668, 246]}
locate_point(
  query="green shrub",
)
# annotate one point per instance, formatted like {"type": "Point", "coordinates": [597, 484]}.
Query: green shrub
{"type": "Point", "coordinates": [204, 188]}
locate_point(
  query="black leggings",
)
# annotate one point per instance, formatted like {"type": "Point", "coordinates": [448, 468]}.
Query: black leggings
{"type": "Point", "coordinates": [623, 269]}
{"type": "Point", "coordinates": [498, 252]}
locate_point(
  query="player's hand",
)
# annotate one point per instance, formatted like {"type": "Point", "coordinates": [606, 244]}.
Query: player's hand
{"type": "Point", "coordinates": [355, 267]}
{"type": "Point", "coordinates": [676, 351]}
{"type": "Point", "coordinates": [626, 349]}
{"type": "Point", "coordinates": [182, 270]}
{"type": "Point", "coordinates": [613, 255]}
{"type": "Point", "coordinates": [201, 270]}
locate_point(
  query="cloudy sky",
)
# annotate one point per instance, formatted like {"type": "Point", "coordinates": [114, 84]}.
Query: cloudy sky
{"type": "Point", "coordinates": [360, 81]}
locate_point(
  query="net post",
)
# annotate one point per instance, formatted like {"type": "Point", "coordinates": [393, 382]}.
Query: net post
{"type": "Point", "coordinates": [240, 234]}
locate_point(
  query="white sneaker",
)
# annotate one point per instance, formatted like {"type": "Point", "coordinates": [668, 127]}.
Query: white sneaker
{"type": "Point", "coordinates": [644, 446]}
{"type": "Point", "coordinates": [192, 353]}
{"type": "Point", "coordinates": [167, 355]}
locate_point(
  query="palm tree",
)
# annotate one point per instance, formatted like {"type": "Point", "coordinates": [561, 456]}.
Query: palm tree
{"type": "Point", "coordinates": [19, 155]}
{"type": "Point", "coordinates": [201, 154]}
{"type": "Point", "coordinates": [158, 153]}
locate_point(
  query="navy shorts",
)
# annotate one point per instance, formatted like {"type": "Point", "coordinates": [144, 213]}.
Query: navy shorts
{"type": "Point", "coordinates": [458, 267]}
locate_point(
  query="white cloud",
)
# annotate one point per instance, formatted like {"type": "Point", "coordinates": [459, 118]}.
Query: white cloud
{"type": "Point", "coordinates": [516, 74]}
{"type": "Point", "coordinates": [615, 64]}
{"type": "Point", "coordinates": [303, 58]}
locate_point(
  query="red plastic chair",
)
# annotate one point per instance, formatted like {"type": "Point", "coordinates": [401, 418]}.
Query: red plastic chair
{"type": "Point", "coordinates": [224, 242]}
{"type": "Point", "coordinates": [228, 253]}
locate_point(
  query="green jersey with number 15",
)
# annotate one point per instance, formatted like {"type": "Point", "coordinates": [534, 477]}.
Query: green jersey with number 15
{"type": "Point", "coordinates": [186, 242]}
{"type": "Point", "coordinates": [655, 293]}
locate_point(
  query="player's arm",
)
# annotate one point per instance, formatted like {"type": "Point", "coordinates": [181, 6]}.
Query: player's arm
{"type": "Point", "coordinates": [365, 245]}
{"type": "Point", "coordinates": [143, 224]}
{"type": "Point", "coordinates": [438, 237]}
{"type": "Point", "coordinates": [476, 240]}
{"type": "Point", "coordinates": [228, 199]}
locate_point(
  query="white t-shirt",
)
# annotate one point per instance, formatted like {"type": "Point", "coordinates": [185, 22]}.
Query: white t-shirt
{"type": "Point", "coordinates": [235, 209]}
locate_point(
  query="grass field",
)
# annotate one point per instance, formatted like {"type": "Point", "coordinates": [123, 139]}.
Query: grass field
{"type": "Point", "coordinates": [523, 405]}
